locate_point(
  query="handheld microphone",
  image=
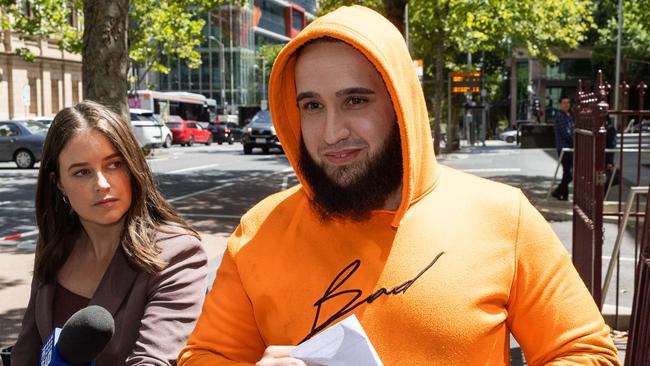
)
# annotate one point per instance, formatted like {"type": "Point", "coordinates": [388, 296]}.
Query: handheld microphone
{"type": "Point", "coordinates": [81, 339]}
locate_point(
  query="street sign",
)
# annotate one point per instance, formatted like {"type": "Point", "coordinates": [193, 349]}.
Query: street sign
{"type": "Point", "coordinates": [27, 95]}
{"type": "Point", "coordinates": [419, 67]}
{"type": "Point", "coordinates": [465, 82]}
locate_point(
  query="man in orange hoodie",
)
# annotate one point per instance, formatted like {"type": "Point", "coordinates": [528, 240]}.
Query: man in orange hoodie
{"type": "Point", "coordinates": [438, 266]}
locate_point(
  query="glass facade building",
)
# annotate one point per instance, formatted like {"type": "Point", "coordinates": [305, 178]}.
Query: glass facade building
{"type": "Point", "coordinates": [230, 66]}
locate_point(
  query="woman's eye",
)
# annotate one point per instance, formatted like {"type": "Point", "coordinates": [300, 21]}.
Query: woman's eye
{"type": "Point", "coordinates": [81, 172]}
{"type": "Point", "coordinates": [115, 164]}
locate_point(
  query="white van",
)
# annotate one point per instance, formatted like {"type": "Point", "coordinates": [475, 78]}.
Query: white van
{"type": "Point", "coordinates": [150, 132]}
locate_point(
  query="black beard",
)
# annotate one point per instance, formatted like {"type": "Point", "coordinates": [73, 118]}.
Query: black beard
{"type": "Point", "coordinates": [369, 190]}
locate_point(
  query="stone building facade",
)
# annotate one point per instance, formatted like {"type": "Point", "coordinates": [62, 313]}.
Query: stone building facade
{"type": "Point", "coordinates": [39, 88]}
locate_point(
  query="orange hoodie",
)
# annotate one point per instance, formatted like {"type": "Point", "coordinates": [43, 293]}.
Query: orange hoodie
{"type": "Point", "coordinates": [442, 280]}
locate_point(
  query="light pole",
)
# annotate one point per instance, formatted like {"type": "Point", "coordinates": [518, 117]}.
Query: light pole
{"type": "Point", "coordinates": [263, 100]}
{"type": "Point", "coordinates": [222, 65]}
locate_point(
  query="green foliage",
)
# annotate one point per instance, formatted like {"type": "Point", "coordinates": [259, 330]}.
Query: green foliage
{"type": "Point", "coordinates": [46, 18]}
{"type": "Point", "coordinates": [329, 5]}
{"type": "Point", "coordinates": [269, 52]}
{"type": "Point", "coordinates": [634, 41]}
{"type": "Point", "coordinates": [542, 27]}
{"type": "Point", "coordinates": [166, 28]}
{"type": "Point", "coordinates": [156, 27]}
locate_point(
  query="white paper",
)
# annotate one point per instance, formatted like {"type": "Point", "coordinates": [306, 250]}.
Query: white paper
{"type": "Point", "coordinates": [344, 343]}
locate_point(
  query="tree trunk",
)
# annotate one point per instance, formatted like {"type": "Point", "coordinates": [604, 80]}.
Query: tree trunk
{"type": "Point", "coordinates": [105, 53]}
{"type": "Point", "coordinates": [395, 13]}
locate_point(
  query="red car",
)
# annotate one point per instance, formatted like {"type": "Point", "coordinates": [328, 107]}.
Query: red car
{"type": "Point", "coordinates": [189, 132]}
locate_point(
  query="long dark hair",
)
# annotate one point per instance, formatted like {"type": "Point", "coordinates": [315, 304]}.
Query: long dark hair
{"type": "Point", "coordinates": [59, 226]}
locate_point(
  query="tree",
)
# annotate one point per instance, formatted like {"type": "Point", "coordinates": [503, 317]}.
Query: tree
{"type": "Point", "coordinates": [635, 39]}
{"type": "Point", "coordinates": [114, 33]}
{"type": "Point", "coordinates": [105, 53]}
{"type": "Point", "coordinates": [41, 18]}
{"type": "Point", "coordinates": [441, 30]}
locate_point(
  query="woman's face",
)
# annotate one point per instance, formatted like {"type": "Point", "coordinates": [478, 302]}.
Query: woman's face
{"type": "Point", "coordinates": [96, 180]}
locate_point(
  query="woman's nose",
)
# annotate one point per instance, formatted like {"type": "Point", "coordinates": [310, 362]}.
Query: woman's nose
{"type": "Point", "coordinates": [102, 182]}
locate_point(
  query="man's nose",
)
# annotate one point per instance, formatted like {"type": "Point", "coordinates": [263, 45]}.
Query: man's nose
{"type": "Point", "coordinates": [336, 127]}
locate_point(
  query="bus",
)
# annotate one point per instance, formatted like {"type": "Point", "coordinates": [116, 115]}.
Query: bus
{"type": "Point", "coordinates": [188, 106]}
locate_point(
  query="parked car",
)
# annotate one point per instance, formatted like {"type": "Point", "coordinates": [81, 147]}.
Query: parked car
{"type": "Point", "coordinates": [229, 132]}
{"type": "Point", "coordinates": [188, 132]}
{"type": "Point", "coordinates": [167, 135]}
{"type": "Point", "coordinates": [22, 142]}
{"type": "Point", "coordinates": [147, 128]}
{"type": "Point", "coordinates": [42, 119]}
{"type": "Point", "coordinates": [509, 136]}
{"type": "Point", "coordinates": [260, 133]}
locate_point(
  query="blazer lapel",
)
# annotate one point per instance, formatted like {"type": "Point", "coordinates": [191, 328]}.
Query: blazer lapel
{"type": "Point", "coordinates": [43, 309]}
{"type": "Point", "coordinates": [116, 283]}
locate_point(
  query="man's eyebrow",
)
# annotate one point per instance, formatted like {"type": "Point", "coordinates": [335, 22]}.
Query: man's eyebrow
{"type": "Point", "coordinates": [305, 95]}
{"type": "Point", "coordinates": [83, 163]}
{"type": "Point", "coordinates": [355, 90]}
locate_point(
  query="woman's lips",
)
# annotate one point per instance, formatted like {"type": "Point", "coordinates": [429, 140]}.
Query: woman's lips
{"type": "Point", "coordinates": [106, 202]}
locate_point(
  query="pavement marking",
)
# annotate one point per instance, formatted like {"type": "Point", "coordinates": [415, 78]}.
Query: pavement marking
{"type": "Point", "coordinates": [491, 170]}
{"type": "Point", "coordinates": [201, 192]}
{"type": "Point", "coordinates": [193, 168]}
{"type": "Point", "coordinates": [216, 216]}
{"type": "Point", "coordinates": [20, 235]}
{"type": "Point", "coordinates": [610, 308]}
{"type": "Point", "coordinates": [17, 209]}
{"type": "Point", "coordinates": [285, 179]}
{"type": "Point", "coordinates": [626, 259]}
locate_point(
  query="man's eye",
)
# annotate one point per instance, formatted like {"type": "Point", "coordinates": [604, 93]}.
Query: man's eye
{"type": "Point", "coordinates": [357, 100]}
{"type": "Point", "coordinates": [311, 105]}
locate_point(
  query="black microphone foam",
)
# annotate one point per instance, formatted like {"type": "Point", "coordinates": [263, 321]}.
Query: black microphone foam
{"type": "Point", "coordinates": [85, 334]}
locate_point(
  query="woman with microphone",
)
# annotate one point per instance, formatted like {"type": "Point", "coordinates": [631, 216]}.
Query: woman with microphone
{"type": "Point", "coordinates": [107, 237]}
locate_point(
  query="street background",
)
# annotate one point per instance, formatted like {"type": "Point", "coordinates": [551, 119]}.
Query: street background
{"type": "Point", "coordinates": [212, 186]}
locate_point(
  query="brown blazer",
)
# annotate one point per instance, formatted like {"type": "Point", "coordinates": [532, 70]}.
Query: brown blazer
{"type": "Point", "coordinates": [154, 313]}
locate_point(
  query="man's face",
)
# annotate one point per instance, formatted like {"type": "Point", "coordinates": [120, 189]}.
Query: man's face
{"type": "Point", "coordinates": [565, 105]}
{"type": "Point", "coordinates": [350, 152]}
{"type": "Point", "coordinates": [346, 113]}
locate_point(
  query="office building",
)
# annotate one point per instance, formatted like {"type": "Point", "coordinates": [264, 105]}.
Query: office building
{"type": "Point", "coordinates": [232, 72]}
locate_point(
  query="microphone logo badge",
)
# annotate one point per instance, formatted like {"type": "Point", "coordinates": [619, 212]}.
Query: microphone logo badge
{"type": "Point", "coordinates": [48, 349]}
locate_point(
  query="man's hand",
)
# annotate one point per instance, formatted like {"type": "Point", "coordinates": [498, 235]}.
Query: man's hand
{"type": "Point", "coordinates": [279, 356]}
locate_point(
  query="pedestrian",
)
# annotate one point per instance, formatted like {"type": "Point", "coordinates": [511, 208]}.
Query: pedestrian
{"type": "Point", "coordinates": [107, 237]}
{"type": "Point", "coordinates": [564, 123]}
{"type": "Point", "coordinates": [438, 265]}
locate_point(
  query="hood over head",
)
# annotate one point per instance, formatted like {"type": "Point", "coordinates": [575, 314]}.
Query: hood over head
{"type": "Point", "coordinates": [383, 45]}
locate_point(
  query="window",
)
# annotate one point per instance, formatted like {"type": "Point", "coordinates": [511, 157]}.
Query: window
{"type": "Point", "coordinates": [9, 129]}
{"type": "Point", "coordinates": [296, 19]}
{"type": "Point", "coordinates": [33, 102]}
{"type": "Point", "coordinates": [569, 69]}
{"type": "Point", "coordinates": [75, 91]}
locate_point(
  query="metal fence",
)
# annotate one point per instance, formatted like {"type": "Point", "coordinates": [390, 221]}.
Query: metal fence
{"type": "Point", "coordinates": [588, 187]}
{"type": "Point", "coordinates": [591, 179]}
